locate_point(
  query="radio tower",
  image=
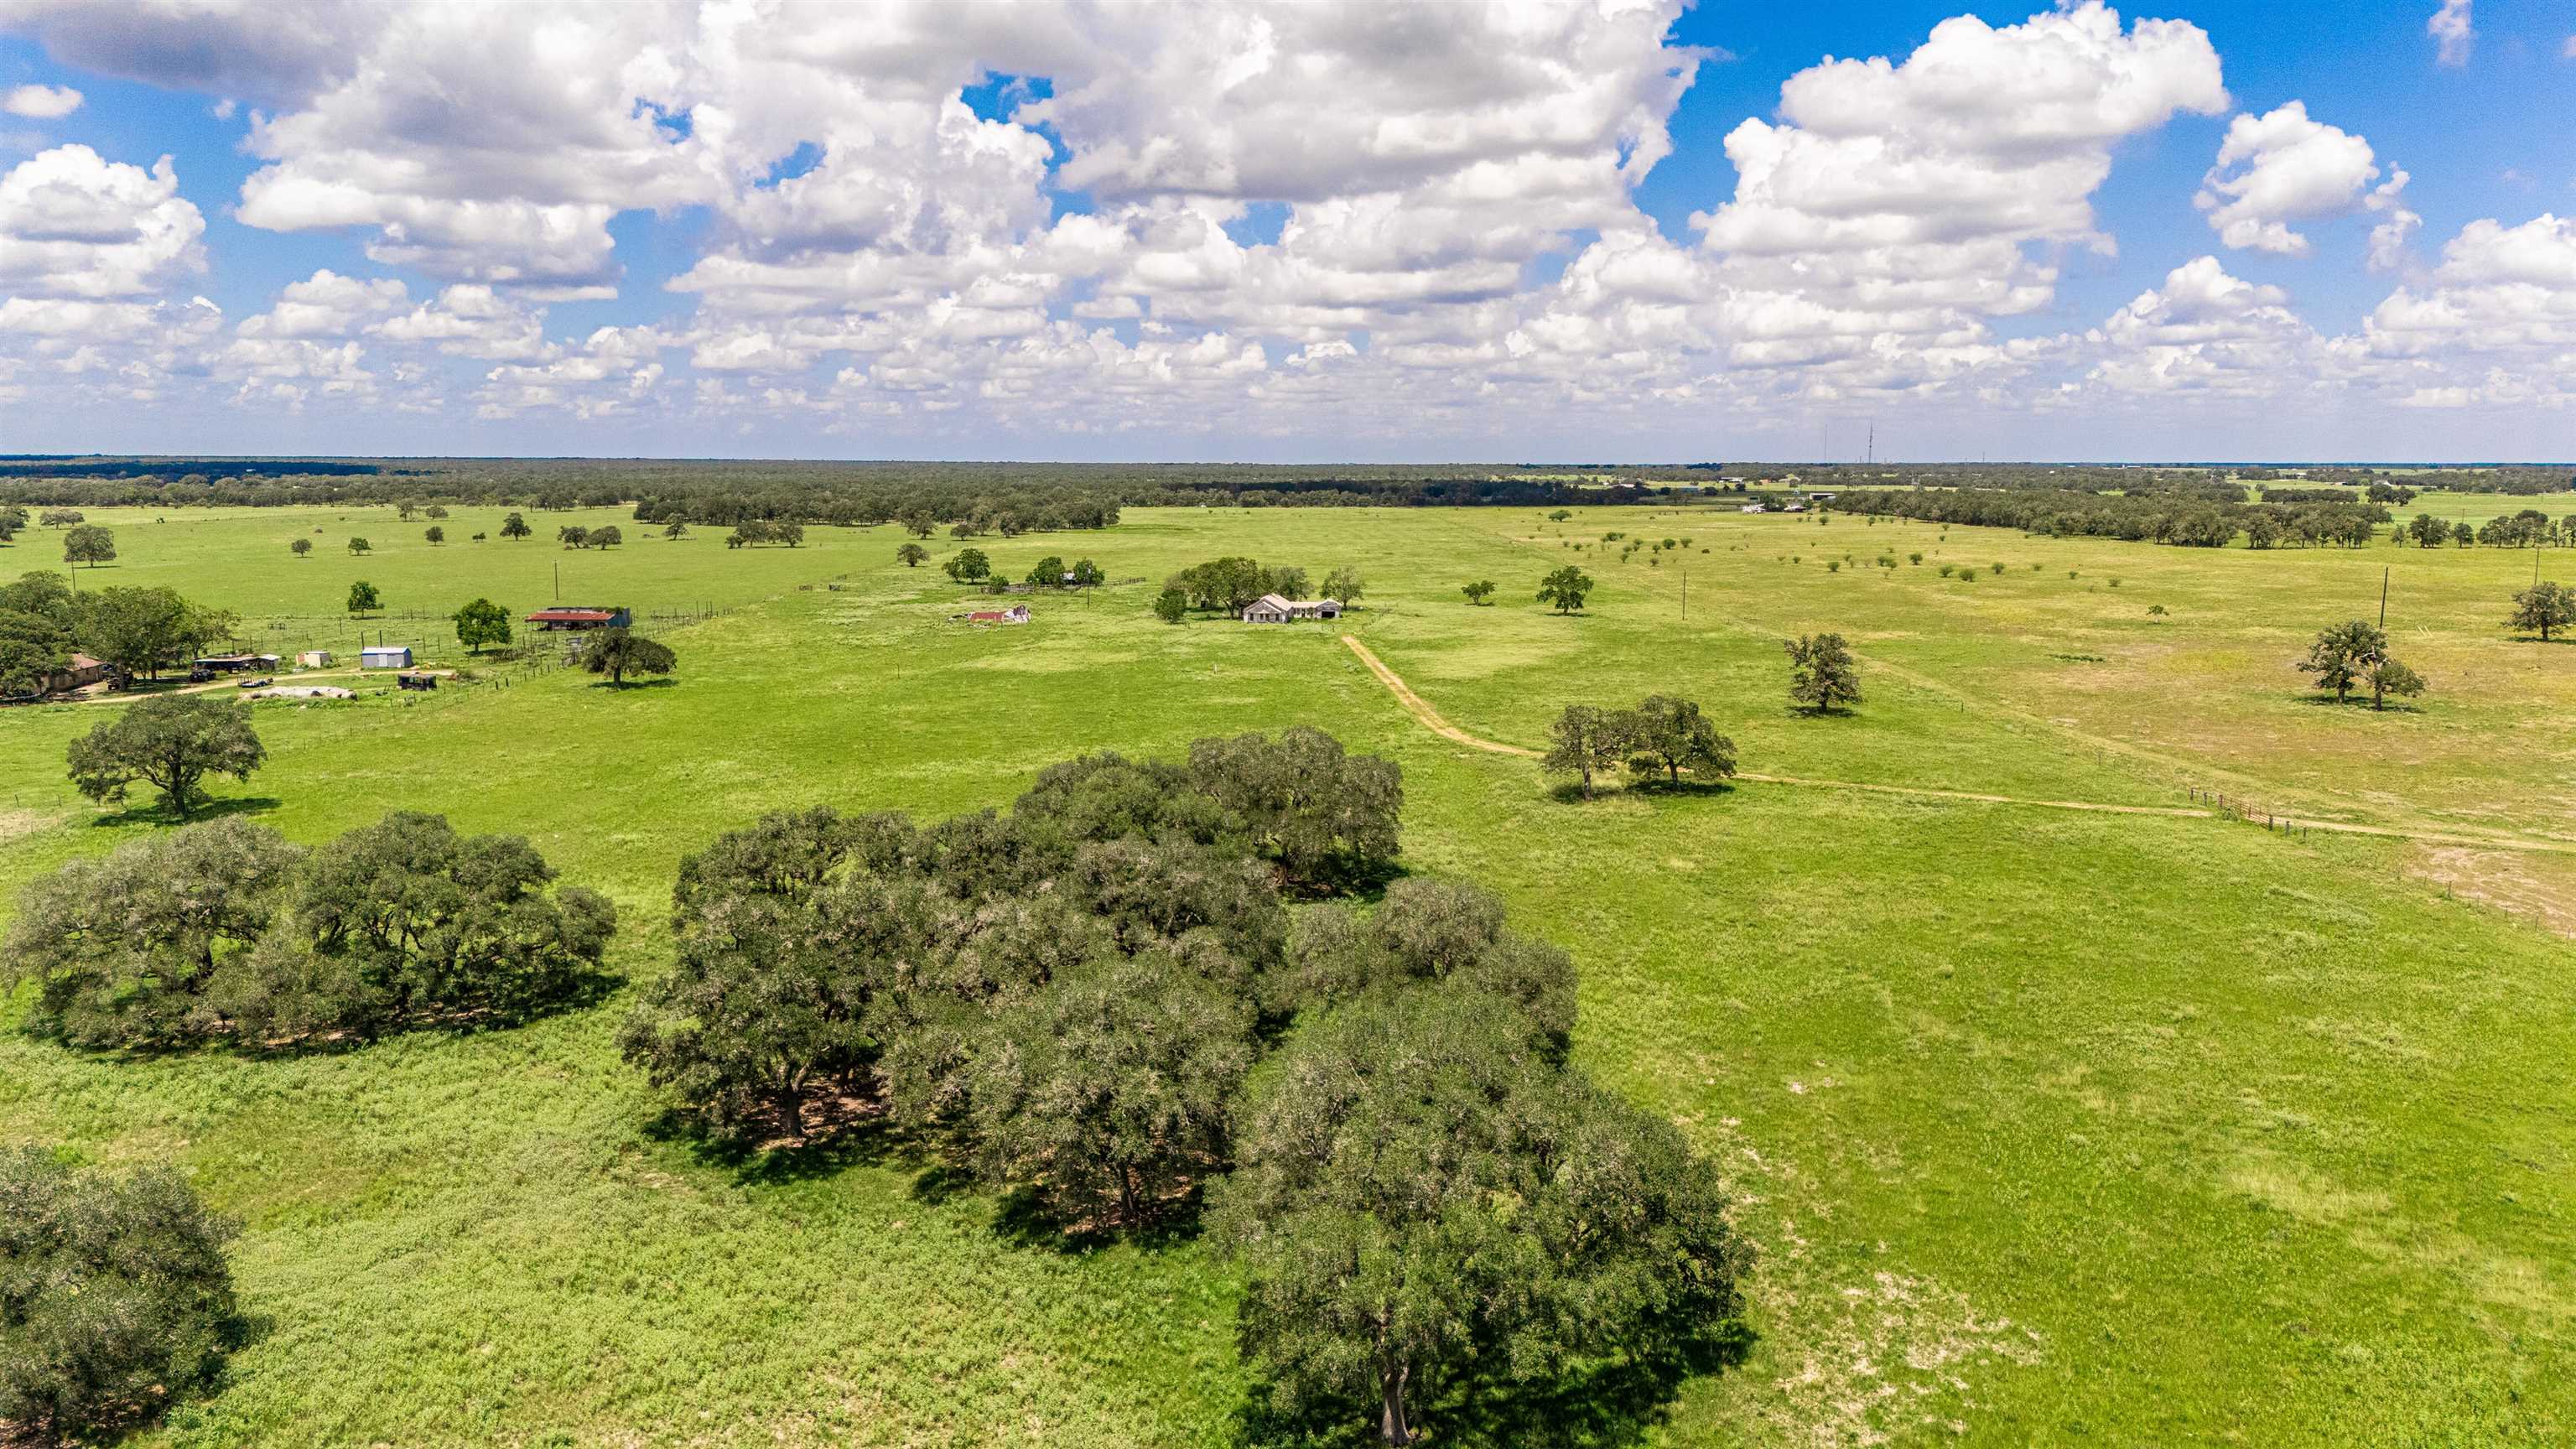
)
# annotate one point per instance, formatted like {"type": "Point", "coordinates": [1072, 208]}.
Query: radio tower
{"type": "Point", "coordinates": [1872, 459]}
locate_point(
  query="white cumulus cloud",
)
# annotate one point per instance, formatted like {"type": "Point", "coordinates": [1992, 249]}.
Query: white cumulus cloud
{"type": "Point", "coordinates": [2452, 33]}
{"type": "Point", "coordinates": [2282, 167]}
{"type": "Point", "coordinates": [40, 103]}
{"type": "Point", "coordinates": [75, 224]}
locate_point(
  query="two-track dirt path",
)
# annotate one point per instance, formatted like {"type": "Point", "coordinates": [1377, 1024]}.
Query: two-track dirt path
{"type": "Point", "coordinates": [1432, 720]}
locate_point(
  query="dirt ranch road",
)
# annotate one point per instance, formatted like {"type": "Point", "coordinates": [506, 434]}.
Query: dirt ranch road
{"type": "Point", "coordinates": [1432, 720]}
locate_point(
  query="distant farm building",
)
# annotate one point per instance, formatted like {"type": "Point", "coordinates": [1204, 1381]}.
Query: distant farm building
{"type": "Point", "coordinates": [582, 617]}
{"type": "Point", "coordinates": [1272, 609]}
{"type": "Point", "coordinates": [81, 673]}
{"type": "Point", "coordinates": [236, 663]}
{"type": "Point", "coordinates": [1016, 614]}
{"type": "Point", "coordinates": [416, 681]}
{"type": "Point", "coordinates": [313, 659]}
{"type": "Point", "coordinates": [385, 656]}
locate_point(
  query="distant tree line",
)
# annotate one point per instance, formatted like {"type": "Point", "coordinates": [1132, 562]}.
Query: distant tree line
{"type": "Point", "coordinates": [2138, 518]}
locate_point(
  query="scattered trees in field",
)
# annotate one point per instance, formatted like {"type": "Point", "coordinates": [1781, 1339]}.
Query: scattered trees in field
{"type": "Point", "coordinates": [606, 536]}
{"type": "Point", "coordinates": [1565, 589]}
{"type": "Point", "coordinates": [1479, 592]}
{"type": "Point", "coordinates": [434, 511]}
{"type": "Point", "coordinates": [573, 535]}
{"type": "Point", "coordinates": [225, 931]}
{"type": "Point", "coordinates": [1171, 606]}
{"type": "Point", "coordinates": [911, 555]}
{"type": "Point", "coordinates": [300, 547]}
{"type": "Point", "coordinates": [61, 517]}
{"type": "Point", "coordinates": [482, 622]}
{"type": "Point", "coordinates": [1823, 676]}
{"type": "Point", "coordinates": [171, 742]}
{"type": "Point", "coordinates": [89, 544]}
{"type": "Point", "coordinates": [968, 566]}
{"type": "Point", "coordinates": [2544, 606]}
{"type": "Point", "coordinates": [359, 546]}
{"type": "Point", "coordinates": [675, 529]}
{"type": "Point", "coordinates": [1048, 572]}
{"type": "Point", "coordinates": [1345, 584]}
{"type": "Point", "coordinates": [363, 598]}
{"type": "Point", "coordinates": [1086, 575]}
{"type": "Point", "coordinates": [436, 535]}
{"type": "Point", "coordinates": [618, 653]}
{"type": "Point", "coordinates": [115, 1299]}
{"type": "Point", "coordinates": [515, 526]}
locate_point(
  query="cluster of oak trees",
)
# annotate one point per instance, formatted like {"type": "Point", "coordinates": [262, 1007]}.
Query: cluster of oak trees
{"type": "Point", "coordinates": [1230, 584]}
{"type": "Point", "coordinates": [757, 531]}
{"type": "Point", "coordinates": [1658, 739]}
{"type": "Point", "coordinates": [1099, 1000]}
{"type": "Point", "coordinates": [226, 931]}
{"type": "Point", "coordinates": [135, 632]}
{"type": "Point", "coordinates": [2528, 528]}
{"type": "Point", "coordinates": [2160, 517]}
{"type": "Point", "coordinates": [2355, 655]}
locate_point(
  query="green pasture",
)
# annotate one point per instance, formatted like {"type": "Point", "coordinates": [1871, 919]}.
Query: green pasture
{"type": "Point", "coordinates": [2051, 1126]}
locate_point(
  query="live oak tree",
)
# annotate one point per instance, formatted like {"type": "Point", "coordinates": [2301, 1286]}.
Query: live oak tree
{"type": "Point", "coordinates": [1047, 573]}
{"type": "Point", "coordinates": [1427, 1208]}
{"type": "Point", "coordinates": [606, 536]}
{"type": "Point", "coordinates": [122, 947]}
{"type": "Point", "coordinates": [61, 517]}
{"type": "Point", "coordinates": [1670, 735]}
{"type": "Point", "coordinates": [1345, 584]}
{"type": "Point", "coordinates": [172, 742]}
{"type": "Point", "coordinates": [2543, 607]}
{"type": "Point", "coordinates": [2344, 655]}
{"type": "Point", "coordinates": [1586, 738]}
{"type": "Point", "coordinates": [1108, 1090]}
{"type": "Point", "coordinates": [1823, 676]}
{"type": "Point", "coordinates": [89, 544]}
{"type": "Point", "coordinates": [436, 535]}
{"type": "Point", "coordinates": [1322, 813]}
{"type": "Point", "coordinates": [34, 648]}
{"type": "Point", "coordinates": [140, 631]}
{"type": "Point", "coordinates": [1479, 591]}
{"type": "Point", "coordinates": [406, 923]}
{"type": "Point", "coordinates": [115, 1299]}
{"type": "Point", "coordinates": [300, 547]}
{"type": "Point", "coordinates": [573, 535]}
{"type": "Point", "coordinates": [676, 529]}
{"type": "Point", "coordinates": [911, 555]}
{"type": "Point", "coordinates": [482, 622]}
{"type": "Point", "coordinates": [2389, 676]}
{"type": "Point", "coordinates": [1429, 930]}
{"type": "Point", "coordinates": [363, 598]}
{"type": "Point", "coordinates": [1171, 606]}
{"type": "Point", "coordinates": [969, 566]}
{"type": "Point", "coordinates": [1566, 589]}
{"type": "Point", "coordinates": [1087, 575]}
{"type": "Point", "coordinates": [359, 545]}
{"type": "Point", "coordinates": [620, 652]}
{"type": "Point", "coordinates": [515, 526]}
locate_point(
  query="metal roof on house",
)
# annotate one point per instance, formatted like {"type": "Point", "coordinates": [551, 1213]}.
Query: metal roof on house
{"type": "Point", "coordinates": [572, 616]}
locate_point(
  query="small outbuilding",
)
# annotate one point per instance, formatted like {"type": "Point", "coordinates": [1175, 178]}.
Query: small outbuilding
{"type": "Point", "coordinates": [1016, 614]}
{"type": "Point", "coordinates": [583, 616]}
{"type": "Point", "coordinates": [416, 681]}
{"type": "Point", "coordinates": [385, 656]}
{"type": "Point", "coordinates": [235, 663]}
{"type": "Point", "coordinates": [313, 659]}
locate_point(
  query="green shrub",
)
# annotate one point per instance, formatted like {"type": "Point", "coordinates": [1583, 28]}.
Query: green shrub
{"type": "Point", "coordinates": [114, 1296]}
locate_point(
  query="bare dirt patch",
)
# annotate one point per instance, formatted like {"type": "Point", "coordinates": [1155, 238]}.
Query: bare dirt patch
{"type": "Point", "coordinates": [2539, 888]}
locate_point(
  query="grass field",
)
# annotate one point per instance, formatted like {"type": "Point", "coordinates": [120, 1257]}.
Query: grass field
{"type": "Point", "coordinates": [2051, 1126]}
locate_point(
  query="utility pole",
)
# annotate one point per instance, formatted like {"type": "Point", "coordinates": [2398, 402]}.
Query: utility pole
{"type": "Point", "coordinates": [1871, 460]}
{"type": "Point", "coordinates": [2383, 597]}
{"type": "Point", "coordinates": [1685, 595]}
{"type": "Point", "coordinates": [559, 581]}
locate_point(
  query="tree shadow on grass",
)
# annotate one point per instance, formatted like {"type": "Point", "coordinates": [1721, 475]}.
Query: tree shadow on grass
{"type": "Point", "coordinates": [865, 1143]}
{"type": "Point", "coordinates": [2362, 702]}
{"type": "Point", "coordinates": [158, 813]}
{"type": "Point", "coordinates": [666, 682]}
{"type": "Point", "coordinates": [1599, 1404]}
{"type": "Point", "coordinates": [1021, 1218]}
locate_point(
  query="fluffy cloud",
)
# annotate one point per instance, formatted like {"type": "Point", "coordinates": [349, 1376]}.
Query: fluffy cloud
{"type": "Point", "coordinates": [2203, 332]}
{"type": "Point", "coordinates": [40, 103]}
{"type": "Point", "coordinates": [74, 224]}
{"type": "Point", "coordinates": [2282, 167]}
{"type": "Point", "coordinates": [326, 304]}
{"type": "Point", "coordinates": [2452, 34]}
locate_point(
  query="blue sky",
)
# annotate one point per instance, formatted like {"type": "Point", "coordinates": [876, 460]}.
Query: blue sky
{"type": "Point", "coordinates": [1288, 230]}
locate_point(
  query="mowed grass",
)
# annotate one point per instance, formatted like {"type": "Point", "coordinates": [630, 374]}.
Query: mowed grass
{"type": "Point", "coordinates": [2051, 1126]}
